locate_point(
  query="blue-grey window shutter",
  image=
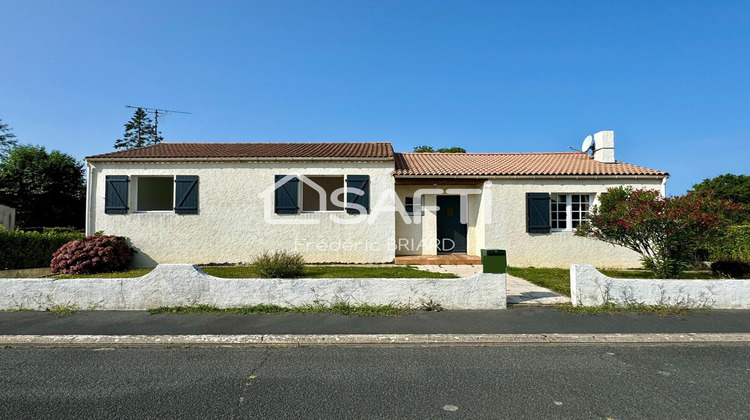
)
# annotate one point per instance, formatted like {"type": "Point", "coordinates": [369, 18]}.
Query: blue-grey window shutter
{"type": "Point", "coordinates": [116, 194]}
{"type": "Point", "coordinates": [286, 196]}
{"type": "Point", "coordinates": [537, 212]}
{"type": "Point", "coordinates": [186, 194]}
{"type": "Point", "coordinates": [362, 183]}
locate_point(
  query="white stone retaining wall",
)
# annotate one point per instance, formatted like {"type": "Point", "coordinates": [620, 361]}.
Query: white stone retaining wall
{"type": "Point", "coordinates": [185, 284]}
{"type": "Point", "coordinates": [589, 287]}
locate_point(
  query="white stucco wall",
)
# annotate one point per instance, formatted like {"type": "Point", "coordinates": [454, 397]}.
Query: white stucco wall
{"type": "Point", "coordinates": [589, 287]}
{"type": "Point", "coordinates": [230, 226]}
{"type": "Point", "coordinates": [7, 217]}
{"type": "Point", "coordinates": [506, 227]}
{"type": "Point", "coordinates": [183, 284]}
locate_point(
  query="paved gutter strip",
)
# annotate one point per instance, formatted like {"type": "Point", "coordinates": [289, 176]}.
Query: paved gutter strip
{"type": "Point", "coordinates": [362, 339]}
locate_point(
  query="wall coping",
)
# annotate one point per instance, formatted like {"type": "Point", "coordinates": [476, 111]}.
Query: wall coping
{"type": "Point", "coordinates": [589, 287]}
{"type": "Point", "coordinates": [188, 285]}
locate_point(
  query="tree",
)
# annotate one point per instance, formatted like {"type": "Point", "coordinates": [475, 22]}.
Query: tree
{"type": "Point", "coordinates": [7, 139]}
{"type": "Point", "coordinates": [430, 149]}
{"type": "Point", "coordinates": [139, 131]}
{"type": "Point", "coordinates": [46, 189]}
{"type": "Point", "coordinates": [667, 232]}
{"type": "Point", "coordinates": [728, 187]}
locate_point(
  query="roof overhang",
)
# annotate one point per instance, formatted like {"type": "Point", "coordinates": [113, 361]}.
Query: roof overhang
{"type": "Point", "coordinates": [241, 159]}
{"type": "Point", "coordinates": [531, 176]}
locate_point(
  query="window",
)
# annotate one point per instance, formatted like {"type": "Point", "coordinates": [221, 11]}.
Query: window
{"type": "Point", "coordinates": [580, 204]}
{"type": "Point", "coordinates": [315, 200]}
{"type": "Point", "coordinates": [558, 208]}
{"type": "Point", "coordinates": [413, 205]}
{"type": "Point", "coordinates": [155, 193]}
{"type": "Point", "coordinates": [568, 211]}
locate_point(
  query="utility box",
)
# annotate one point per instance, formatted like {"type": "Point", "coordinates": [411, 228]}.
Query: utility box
{"type": "Point", "coordinates": [494, 261]}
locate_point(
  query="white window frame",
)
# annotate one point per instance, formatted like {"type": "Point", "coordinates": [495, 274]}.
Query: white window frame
{"type": "Point", "coordinates": [569, 209]}
{"type": "Point", "coordinates": [301, 198]}
{"type": "Point", "coordinates": [135, 193]}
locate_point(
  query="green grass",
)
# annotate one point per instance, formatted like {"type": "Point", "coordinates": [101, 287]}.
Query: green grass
{"type": "Point", "coordinates": [341, 308]}
{"type": "Point", "coordinates": [311, 271]}
{"type": "Point", "coordinates": [610, 308]}
{"type": "Point", "coordinates": [331, 271]}
{"type": "Point", "coordinates": [213, 310]}
{"type": "Point", "coordinates": [60, 311]}
{"type": "Point", "coordinates": [558, 279]}
{"type": "Point", "coordinates": [555, 279]}
{"type": "Point", "coordinates": [138, 272]}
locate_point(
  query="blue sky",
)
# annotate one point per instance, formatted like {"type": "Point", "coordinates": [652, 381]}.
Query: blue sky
{"type": "Point", "coordinates": [672, 78]}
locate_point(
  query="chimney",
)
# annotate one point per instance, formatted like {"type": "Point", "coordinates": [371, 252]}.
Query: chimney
{"type": "Point", "coordinates": [604, 146]}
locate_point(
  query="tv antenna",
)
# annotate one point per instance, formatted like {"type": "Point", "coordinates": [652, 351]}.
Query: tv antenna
{"type": "Point", "coordinates": [157, 112]}
{"type": "Point", "coordinates": [588, 144]}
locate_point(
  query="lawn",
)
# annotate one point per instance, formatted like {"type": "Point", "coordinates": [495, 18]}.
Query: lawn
{"type": "Point", "coordinates": [311, 271]}
{"type": "Point", "coordinates": [558, 279]}
{"type": "Point", "coordinates": [643, 274]}
{"type": "Point", "coordinates": [136, 272]}
{"type": "Point", "coordinates": [332, 271]}
{"type": "Point", "coordinates": [555, 279]}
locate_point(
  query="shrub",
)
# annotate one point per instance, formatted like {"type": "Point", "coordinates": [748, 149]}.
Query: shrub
{"type": "Point", "coordinates": [734, 268]}
{"type": "Point", "coordinates": [667, 231]}
{"type": "Point", "coordinates": [93, 254]}
{"type": "Point", "coordinates": [20, 249]}
{"type": "Point", "coordinates": [280, 264]}
{"type": "Point", "coordinates": [735, 244]}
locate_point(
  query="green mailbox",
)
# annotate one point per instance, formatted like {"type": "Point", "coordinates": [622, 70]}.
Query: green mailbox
{"type": "Point", "coordinates": [494, 261]}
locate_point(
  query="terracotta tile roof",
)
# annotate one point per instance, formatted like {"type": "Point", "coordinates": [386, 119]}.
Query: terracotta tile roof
{"type": "Point", "coordinates": [499, 164]}
{"type": "Point", "coordinates": [255, 150]}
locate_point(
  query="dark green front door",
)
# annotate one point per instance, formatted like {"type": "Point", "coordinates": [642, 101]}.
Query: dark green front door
{"type": "Point", "coordinates": [451, 233]}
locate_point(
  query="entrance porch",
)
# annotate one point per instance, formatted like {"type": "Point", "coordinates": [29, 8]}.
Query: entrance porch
{"type": "Point", "coordinates": [442, 259]}
{"type": "Point", "coordinates": [443, 221]}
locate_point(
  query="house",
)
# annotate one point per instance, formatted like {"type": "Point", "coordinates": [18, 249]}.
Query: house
{"type": "Point", "coordinates": [355, 202]}
{"type": "Point", "coordinates": [7, 217]}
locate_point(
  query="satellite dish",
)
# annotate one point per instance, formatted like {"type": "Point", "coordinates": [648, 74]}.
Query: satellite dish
{"type": "Point", "coordinates": [588, 143]}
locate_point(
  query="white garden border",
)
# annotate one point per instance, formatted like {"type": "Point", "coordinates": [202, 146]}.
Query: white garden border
{"type": "Point", "coordinates": [186, 284]}
{"type": "Point", "coordinates": [589, 287]}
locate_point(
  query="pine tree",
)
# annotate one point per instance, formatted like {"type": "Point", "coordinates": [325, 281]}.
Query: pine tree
{"type": "Point", "coordinates": [7, 139]}
{"type": "Point", "coordinates": [139, 131]}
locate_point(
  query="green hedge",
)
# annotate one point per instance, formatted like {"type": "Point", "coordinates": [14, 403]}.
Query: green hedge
{"type": "Point", "coordinates": [735, 245]}
{"type": "Point", "coordinates": [31, 249]}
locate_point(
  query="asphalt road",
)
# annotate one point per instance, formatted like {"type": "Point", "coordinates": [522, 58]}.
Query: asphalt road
{"type": "Point", "coordinates": [514, 321]}
{"type": "Point", "coordinates": [580, 382]}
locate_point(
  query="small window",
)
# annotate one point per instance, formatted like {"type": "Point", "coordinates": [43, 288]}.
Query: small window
{"type": "Point", "coordinates": [313, 200]}
{"type": "Point", "coordinates": [155, 193]}
{"type": "Point", "coordinates": [413, 206]}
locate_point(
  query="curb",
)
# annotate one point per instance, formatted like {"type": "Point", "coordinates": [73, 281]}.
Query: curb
{"type": "Point", "coordinates": [294, 340]}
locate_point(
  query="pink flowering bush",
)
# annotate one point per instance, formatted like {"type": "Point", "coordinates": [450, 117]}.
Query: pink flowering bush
{"type": "Point", "coordinates": [666, 231]}
{"type": "Point", "coordinates": [91, 255]}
